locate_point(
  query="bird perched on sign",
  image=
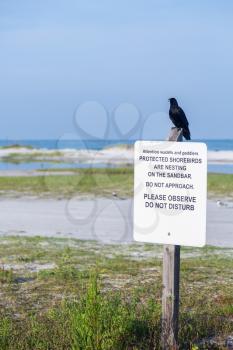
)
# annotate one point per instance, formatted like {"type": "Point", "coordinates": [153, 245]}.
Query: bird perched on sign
{"type": "Point", "coordinates": [178, 117]}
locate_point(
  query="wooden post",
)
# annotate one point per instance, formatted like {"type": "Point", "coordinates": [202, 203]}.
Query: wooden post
{"type": "Point", "coordinates": [171, 282]}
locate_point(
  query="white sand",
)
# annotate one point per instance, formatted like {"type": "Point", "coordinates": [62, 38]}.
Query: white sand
{"type": "Point", "coordinates": [220, 157]}
{"type": "Point", "coordinates": [114, 155]}
{"type": "Point", "coordinates": [100, 219]}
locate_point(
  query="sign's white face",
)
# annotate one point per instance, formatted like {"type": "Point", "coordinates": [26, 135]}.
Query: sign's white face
{"type": "Point", "coordinates": [170, 191]}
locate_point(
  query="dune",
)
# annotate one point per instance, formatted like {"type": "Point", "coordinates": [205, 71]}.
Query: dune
{"type": "Point", "coordinates": [119, 154]}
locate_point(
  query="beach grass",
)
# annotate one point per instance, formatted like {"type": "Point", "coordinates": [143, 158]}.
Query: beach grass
{"type": "Point", "coordinates": [17, 146]}
{"type": "Point", "coordinates": [70, 294]}
{"type": "Point", "coordinates": [94, 181]}
{"type": "Point", "coordinates": [220, 184]}
{"type": "Point", "coordinates": [101, 182]}
{"type": "Point", "coordinates": [18, 158]}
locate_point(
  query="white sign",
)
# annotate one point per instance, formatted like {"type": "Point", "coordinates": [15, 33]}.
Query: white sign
{"type": "Point", "coordinates": [170, 191]}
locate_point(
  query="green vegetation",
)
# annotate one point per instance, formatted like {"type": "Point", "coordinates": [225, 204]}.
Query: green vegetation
{"type": "Point", "coordinates": [122, 146]}
{"type": "Point", "coordinates": [17, 158]}
{"type": "Point", "coordinates": [220, 184]}
{"type": "Point", "coordinates": [100, 182]}
{"type": "Point", "coordinates": [16, 145]}
{"type": "Point", "coordinates": [66, 294]}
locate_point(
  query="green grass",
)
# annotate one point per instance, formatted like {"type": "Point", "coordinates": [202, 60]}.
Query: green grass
{"type": "Point", "coordinates": [17, 158]}
{"type": "Point", "coordinates": [104, 297]}
{"type": "Point", "coordinates": [220, 184]}
{"type": "Point", "coordinates": [100, 182]}
{"type": "Point", "coordinates": [6, 276]}
{"type": "Point", "coordinates": [86, 181]}
{"type": "Point", "coordinates": [16, 145]}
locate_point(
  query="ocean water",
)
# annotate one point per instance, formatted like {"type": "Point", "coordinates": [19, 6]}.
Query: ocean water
{"type": "Point", "coordinates": [213, 145]}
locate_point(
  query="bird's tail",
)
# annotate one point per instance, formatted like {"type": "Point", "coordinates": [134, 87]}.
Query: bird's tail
{"type": "Point", "coordinates": [186, 134]}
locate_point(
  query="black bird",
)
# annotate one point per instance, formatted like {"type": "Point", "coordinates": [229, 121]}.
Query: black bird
{"type": "Point", "coordinates": [178, 117]}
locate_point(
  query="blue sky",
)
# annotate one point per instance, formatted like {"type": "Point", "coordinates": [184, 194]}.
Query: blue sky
{"type": "Point", "coordinates": [125, 55]}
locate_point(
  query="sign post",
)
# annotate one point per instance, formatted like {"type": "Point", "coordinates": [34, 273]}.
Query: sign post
{"type": "Point", "coordinates": [170, 190]}
{"type": "Point", "coordinates": [170, 297]}
{"type": "Point", "coordinates": [171, 284]}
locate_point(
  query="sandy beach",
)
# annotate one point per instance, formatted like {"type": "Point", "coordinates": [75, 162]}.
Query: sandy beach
{"type": "Point", "coordinates": [121, 154]}
{"type": "Point", "coordinates": [104, 219]}
{"type": "Point", "coordinates": [107, 220]}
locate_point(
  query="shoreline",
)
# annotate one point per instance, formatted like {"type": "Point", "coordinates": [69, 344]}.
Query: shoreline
{"type": "Point", "coordinates": [111, 155]}
{"type": "Point", "coordinates": [108, 220]}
